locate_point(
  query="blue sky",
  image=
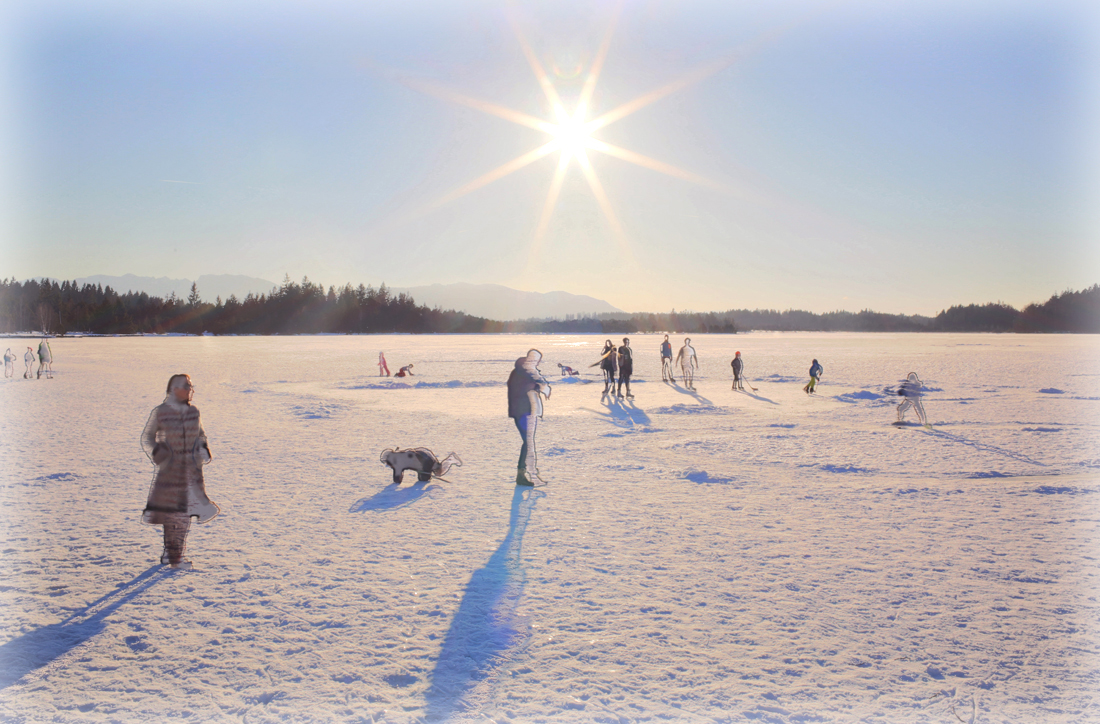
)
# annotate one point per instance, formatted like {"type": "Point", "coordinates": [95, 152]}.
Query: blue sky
{"type": "Point", "coordinates": [900, 156]}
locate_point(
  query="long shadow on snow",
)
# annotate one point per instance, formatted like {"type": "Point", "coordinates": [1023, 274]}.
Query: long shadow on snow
{"type": "Point", "coordinates": [35, 649]}
{"type": "Point", "coordinates": [983, 446]}
{"type": "Point", "coordinates": [693, 393]}
{"type": "Point", "coordinates": [756, 396]}
{"type": "Point", "coordinates": [391, 497]}
{"type": "Point", "coordinates": [484, 629]}
{"type": "Point", "coordinates": [620, 413]}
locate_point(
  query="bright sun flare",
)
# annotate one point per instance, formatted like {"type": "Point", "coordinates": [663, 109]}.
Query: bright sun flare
{"type": "Point", "coordinates": [572, 136]}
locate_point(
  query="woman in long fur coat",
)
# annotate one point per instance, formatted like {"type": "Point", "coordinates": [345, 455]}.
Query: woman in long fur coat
{"type": "Point", "coordinates": [174, 440]}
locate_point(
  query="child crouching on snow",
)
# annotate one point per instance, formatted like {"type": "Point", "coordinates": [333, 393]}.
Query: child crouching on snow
{"type": "Point", "coordinates": [174, 440]}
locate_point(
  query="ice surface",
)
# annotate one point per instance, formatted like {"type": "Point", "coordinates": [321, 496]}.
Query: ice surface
{"type": "Point", "coordinates": [697, 556]}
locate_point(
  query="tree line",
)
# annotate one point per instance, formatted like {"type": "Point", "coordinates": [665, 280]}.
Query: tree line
{"type": "Point", "coordinates": [308, 308]}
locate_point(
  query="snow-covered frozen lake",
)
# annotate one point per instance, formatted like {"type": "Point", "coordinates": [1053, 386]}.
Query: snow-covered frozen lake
{"type": "Point", "coordinates": [716, 556]}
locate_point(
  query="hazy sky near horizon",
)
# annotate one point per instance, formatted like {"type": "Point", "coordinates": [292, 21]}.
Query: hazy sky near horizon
{"type": "Point", "coordinates": [900, 156]}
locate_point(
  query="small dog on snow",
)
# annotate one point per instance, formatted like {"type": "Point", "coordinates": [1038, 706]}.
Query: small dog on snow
{"type": "Point", "coordinates": [418, 459]}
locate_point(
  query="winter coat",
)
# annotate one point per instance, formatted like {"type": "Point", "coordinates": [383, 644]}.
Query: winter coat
{"type": "Point", "coordinates": [523, 390]}
{"type": "Point", "coordinates": [911, 387]}
{"type": "Point", "coordinates": [609, 361]}
{"type": "Point", "coordinates": [816, 370]}
{"type": "Point", "coordinates": [44, 354]}
{"type": "Point", "coordinates": [737, 366]}
{"type": "Point", "coordinates": [626, 361]}
{"type": "Point", "coordinates": [174, 440]}
{"type": "Point", "coordinates": [666, 349]}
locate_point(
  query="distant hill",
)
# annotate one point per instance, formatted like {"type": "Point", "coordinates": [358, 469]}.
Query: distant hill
{"type": "Point", "coordinates": [494, 301]}
{"type": "Point", "coordinates": [211, 286]}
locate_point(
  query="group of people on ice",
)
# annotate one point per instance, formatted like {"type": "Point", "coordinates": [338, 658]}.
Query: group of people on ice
{"type": "Point", "coordinates": [616, 363]}
{"type": "Point", "coordinates": [176, 443]}
{"type": "Point", "coordinates": [45, 362]}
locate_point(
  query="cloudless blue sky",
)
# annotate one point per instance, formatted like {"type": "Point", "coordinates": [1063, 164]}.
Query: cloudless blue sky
{"type": "Point", "coordinates": [900, 156]}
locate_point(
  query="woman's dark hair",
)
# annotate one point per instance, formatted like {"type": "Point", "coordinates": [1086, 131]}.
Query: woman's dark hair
{"type": "Point", "coordinates": [173, 379]}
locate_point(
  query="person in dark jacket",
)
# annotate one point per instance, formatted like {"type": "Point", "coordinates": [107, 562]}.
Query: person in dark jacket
{"type": "Point", "coordinates": [526, 388]}
{"type": "Point", "coordinates": [626, 367]}
{"type": "Point", "coordinates": [666, 361]}
{"type": "Point", "coordinates": [910, 392]}
{"type": "Point", "coordinates": [608, 364]}
{"type": "Point", "coordinates": [738, 367]}
{"type": "Point", "coordinates": [815, 377]}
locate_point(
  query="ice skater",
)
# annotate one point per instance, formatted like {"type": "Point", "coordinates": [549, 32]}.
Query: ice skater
{"type": "Point", "coordinates": [9, 363]}
{"type": "Point", "coordinates": [567, 371]}
{"type": "Point", "coordinates": [45, 360]}
{"type": "Point", "coordinates": [738, 367]}
{"type": "Point", "coordinates": [688, 363]}
{"type": "Point", "coordinates": [28, 359]}
{"type": "Point", "coordinates": [626, 367]}
{"type": "Point", "coordinates": [526, 388]}
{"type": "Point", "coordinates": [815, 376]}
{"type": "Point", "coordinates": [666, 361]}
{"type": "Point", "coordinates": [406, 370]}
{"type": "Point", "coordinates": [910, 390]}
{"type": "Point", "coordinates": [174, 440]}
{"type": "Point", "coordinates": [383, 368]}
{"type": "Point", "coordinates": [608, 361]}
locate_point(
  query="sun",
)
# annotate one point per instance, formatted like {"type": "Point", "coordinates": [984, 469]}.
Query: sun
{"type": "Point", "coordinates": [572, 137]}
{"type": "Point", "coordinates": [571, 132]}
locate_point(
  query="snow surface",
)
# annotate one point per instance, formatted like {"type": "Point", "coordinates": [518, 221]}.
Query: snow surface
{"type": "Point", "coordinates": [696, 557]}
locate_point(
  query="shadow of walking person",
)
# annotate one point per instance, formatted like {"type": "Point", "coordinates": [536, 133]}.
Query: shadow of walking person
{"type": "Point", "coordinates": [485, 632]}
{"type": "Point", "coordinates": [34, 649]}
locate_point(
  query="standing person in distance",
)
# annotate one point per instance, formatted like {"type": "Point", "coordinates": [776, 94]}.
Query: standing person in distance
{"type": "Point", "coordinates": [815, 377]}
{"type": "Point", "coordinates": [174, 440]}
{"type": "Point", "coordinates": [9, 363]}
{"type": "Point", "coordinates": [607, 363]}
{"type": "Point", "coordinates": [738, 367]}
{"type": "Point", "coordinates": [383, 368]}
{"type": "Point", "coordinates": [28, 359]}
{"type": "Point", "coordinates": [666, 361]}
{"type": "Point", "coordinates": [45, 359]}
{"type": "Point", "coordinates": [526, 387]}
{"type": "Point", "coordinates": [688, 363]}
{"type": "Point", "coordinates": [626, 367]}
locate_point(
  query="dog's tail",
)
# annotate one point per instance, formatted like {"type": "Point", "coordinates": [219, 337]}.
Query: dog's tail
{"type": "Point", "coordinates": [446, 463]}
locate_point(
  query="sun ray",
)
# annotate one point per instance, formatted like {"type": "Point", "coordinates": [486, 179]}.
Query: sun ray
{"type": "Point", "coordinates": [498, 173]}
{"type": "Point", "coordinates": [657, 94]}
{"type": "Point", "coordinates": [540, 74]}
{"type": "Point", "coordinates": [508, 114]}
{"type": "Point", "coordinates": [692, 77]}
{"type": "Point", "coordinates": [655, 165]}
{"type": "Point", "coordinates": [603, 201]}
{"type": "Point", "coordinates": [597, 66]}
{"type": "Point", "coordinates": [551, 203]}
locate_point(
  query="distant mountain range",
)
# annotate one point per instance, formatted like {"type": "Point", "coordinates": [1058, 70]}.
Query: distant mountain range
{"type": "Point", "coordinates": [211, 286]}
{"type": "Point", "coordinates": [494, 301]}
